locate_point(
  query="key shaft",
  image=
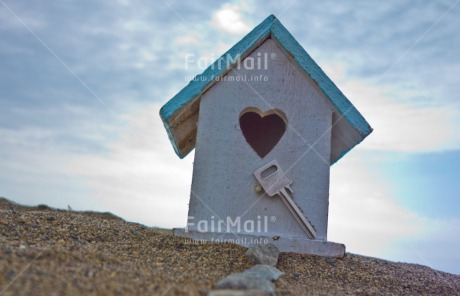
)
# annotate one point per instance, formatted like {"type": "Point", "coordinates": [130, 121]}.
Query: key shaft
{"type": "Point", "coordinates": [297, 213]}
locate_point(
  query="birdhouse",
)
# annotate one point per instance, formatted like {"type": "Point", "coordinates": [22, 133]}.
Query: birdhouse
{"type": "Point", "coordinates": [266, 124]}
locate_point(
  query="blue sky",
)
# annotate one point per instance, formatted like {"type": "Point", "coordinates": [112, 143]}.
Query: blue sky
{"type": "Point", "coordinates": [81, 83]}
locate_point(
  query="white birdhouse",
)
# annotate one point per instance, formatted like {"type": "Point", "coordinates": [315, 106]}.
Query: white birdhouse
{"type": "Point", "coordinates": [266, 124]}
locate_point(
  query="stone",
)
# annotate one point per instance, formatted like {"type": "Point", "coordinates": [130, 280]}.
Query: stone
{"type": "Point", "coordinates": [241, 281]}
{"type": "Point", "coordinates": [21, 220]}
{"type": "Point", "coordinates": [263, 254]}
{"type": "Point", "coordinates": [331, 261]}
{"type": "Point", "coordinates": [267, 272]}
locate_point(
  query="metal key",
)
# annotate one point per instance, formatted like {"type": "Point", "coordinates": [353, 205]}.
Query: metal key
{"type": "Point", "coordinates": [274, 181]}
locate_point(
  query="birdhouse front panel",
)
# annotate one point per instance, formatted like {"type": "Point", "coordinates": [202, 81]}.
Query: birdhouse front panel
{"type": "Point", "coordinates": [266, 109]}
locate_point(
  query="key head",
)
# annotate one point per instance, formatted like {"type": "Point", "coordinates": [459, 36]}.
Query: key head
{"type": "Point", "coordinates": [272, 178]}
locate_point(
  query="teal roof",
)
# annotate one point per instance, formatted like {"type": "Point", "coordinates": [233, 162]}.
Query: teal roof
{"type": "Point", "coordinates": [173, 111]}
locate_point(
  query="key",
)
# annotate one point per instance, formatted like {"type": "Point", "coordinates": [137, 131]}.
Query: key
{"type": "Point", "coordinates": [274, 181]}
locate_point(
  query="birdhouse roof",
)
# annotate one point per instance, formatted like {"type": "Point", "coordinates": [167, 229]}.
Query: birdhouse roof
{"type": "Point", "coordinates": [180, 114]}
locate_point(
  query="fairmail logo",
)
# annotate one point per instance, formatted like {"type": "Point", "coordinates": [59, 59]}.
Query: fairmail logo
{"type": "Point", "coordinates": [260, 225]}
{"type": "Point", "coordinates": [257, 62]}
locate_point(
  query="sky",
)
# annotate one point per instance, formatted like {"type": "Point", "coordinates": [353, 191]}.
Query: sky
{"type": "Point", "coordinates": [82, 82]}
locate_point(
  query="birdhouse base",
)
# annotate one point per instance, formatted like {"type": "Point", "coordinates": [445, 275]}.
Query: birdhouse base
{"type": "Point", "coordinates": [295, 245]}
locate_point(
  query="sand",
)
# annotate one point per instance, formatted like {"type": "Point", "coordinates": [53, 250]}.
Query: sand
{"type": "Point", "coordinates": [53, 252]}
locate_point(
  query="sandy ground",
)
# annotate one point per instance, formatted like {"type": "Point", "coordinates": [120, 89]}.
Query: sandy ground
{"type": "Point", "coordinates": [49, 252]}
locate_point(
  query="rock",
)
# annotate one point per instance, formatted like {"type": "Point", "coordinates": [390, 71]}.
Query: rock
{"type": "Point", "coordinates": [256, 280]}
{"type": "Point", "coordinates": [10, 275]}
{"type": "Point", "coordinates": [263, 254]}
{"type": "Point", "coordinates": [21, 220]}
{"type": "Point", "coordinates": [50, 218]}
{"type": "Point", "coordinates": [331, 261]}
{"type": "Point", "coordinates": [264, 271]}
{"type": "Point", "coordinates": [43, 207]}
{"type": "Point", "coordinates": [227, 292]}
{"type": "Point", "coordinates": [89, 272]}
{"type": "Point", "coordinates": [241, 281]}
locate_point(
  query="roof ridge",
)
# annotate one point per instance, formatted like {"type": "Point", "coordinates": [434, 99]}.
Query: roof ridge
{"type": "Point", "coordinates": [269, 27]}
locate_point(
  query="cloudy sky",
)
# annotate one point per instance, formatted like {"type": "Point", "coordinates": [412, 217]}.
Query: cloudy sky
{"type": "Point", "coordinates": [81, 84]}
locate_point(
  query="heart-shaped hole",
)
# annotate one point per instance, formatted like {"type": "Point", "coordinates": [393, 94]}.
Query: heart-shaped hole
{"type": "Point", "coordinates": [262, 130]}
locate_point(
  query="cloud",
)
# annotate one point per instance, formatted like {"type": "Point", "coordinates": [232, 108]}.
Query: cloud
{"type": "Point", "coordinates": [366, 217]}
{"type": "Point", "coordinates": [187, 39]}
{"type": "Point", "coordinates": [363, 214]}
{"type": "Point", "coordinates": [400, 122]}
{"type": "Point", "coordinates": [437, 247]}
{"type": "Point", "coordinates": [141, 178]}
{"type": "Point", "coordinates": [230, 18]}
{"type": "Point", "coordinates": [33, 169]}
{"type": "Point", "coordinates": [9, 21]}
